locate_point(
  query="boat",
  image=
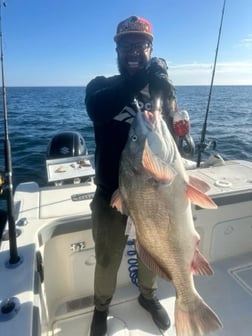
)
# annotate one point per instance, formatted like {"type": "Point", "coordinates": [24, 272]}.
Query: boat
{"type": "Point", "coordinates": [47, 256]}
{"type": "Point", "coordinates": [49, 289]}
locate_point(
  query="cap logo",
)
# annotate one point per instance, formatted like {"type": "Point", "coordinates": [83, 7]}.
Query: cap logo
{"type": "Point", "coordinates": [133, 24]}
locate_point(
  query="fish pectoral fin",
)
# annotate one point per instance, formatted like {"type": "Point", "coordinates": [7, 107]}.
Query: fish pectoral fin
{"type": "Point", "coordinates": [198, 183]}
{"type": "Point", "coordinates": [150, 262]}
{"type": "Point", "coordinates": [116, 201]}
{"type": "Point", "coordinates": [159, 169]}
{"type": "Point", "coordinates": [200, 265]}
{"type": "Point", "coordinates": [199, 198]}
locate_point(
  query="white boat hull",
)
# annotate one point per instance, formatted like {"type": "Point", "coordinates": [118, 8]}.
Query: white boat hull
{"type": "Point", "coordinates": [54, 281]}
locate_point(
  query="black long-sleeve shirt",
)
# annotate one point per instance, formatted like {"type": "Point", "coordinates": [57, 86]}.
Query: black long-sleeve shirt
{"type": "Point", "coordinates": [110, 106]}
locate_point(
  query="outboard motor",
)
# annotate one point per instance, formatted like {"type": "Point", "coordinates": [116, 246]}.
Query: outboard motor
{"type": "Point", "coordinates": [66, 144]}
{"type": "Point", "coordinates": [68, 160]}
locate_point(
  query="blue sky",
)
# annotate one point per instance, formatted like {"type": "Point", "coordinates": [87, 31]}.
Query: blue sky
{"type": "Point", "coordinates": [60, 42]}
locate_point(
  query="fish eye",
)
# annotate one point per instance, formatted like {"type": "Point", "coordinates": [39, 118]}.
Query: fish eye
{"type": "Point", "coordinates": [148, 106]}
{"type": "Point", "coordinates": [134, 138]}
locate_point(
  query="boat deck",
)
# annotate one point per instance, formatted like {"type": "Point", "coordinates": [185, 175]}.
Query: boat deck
{"type": "Point", "coordinates": [228, 292]}
{"type": "Point", "coordinates": [54, 283]}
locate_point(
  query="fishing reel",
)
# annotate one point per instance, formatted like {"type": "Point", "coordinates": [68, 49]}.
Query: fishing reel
{"type": "Point", "coordinates": [2, 181]}
{"type": "Point", "coordinates": [214, 159]}
{"type": "Point", "coordinates": [212, 144]}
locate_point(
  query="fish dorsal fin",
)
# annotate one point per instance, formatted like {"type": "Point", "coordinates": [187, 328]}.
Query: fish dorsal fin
{"type": "Point", "coordinates": [116, 201]}
{"type": "Point", "coordinates": [198, 183]}
{"type": "Point", "coordinates": [199, 198]}
{"type": "Point", "coordinates": [200, 265]}
{"type": "Point", "coordinates": [159, 169]}
{"type": "Point", "coordinates": [150, 262]}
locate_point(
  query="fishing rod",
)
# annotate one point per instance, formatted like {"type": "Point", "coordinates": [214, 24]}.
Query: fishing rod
{"type": "Point", "coordinates": [202, 145]}
{"type": "Point", "coordinates": [14, 258]}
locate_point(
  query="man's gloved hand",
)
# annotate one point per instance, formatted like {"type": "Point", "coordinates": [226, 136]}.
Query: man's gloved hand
{"type": "Point", "coordinates": [158, 77]}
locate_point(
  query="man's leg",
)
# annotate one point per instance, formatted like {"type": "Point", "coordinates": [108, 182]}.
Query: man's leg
{"type": "Point", "coordinates": [110, 239]}
{"type": "Point", "coordinates": [148, 299]}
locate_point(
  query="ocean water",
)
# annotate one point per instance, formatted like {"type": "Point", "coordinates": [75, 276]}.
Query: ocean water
{"type": "Point", "coordinates": [35, 114]}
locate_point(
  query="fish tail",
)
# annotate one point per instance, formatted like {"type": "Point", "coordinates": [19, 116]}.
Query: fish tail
{"type": "Point", "coordinates": [195, 318]}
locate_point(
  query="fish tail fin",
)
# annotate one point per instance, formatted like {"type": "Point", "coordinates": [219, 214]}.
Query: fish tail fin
{"type": "Point", "coordinates": [195, 318]}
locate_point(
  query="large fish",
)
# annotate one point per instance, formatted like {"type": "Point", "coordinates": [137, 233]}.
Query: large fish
{"type": "Point", "coordinates": [156, 192]}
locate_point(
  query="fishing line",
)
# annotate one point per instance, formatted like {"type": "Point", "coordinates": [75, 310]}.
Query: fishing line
{"type": "Point", "coordinates": [202, 144]}
{"type": "Point", "coordinates": [14, 258]}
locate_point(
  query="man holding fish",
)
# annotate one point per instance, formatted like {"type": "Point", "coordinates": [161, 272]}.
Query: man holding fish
{"type": "Point", "coordinates": [112, 104]}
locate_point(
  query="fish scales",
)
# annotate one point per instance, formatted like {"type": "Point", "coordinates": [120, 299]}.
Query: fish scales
{"type": "Point", "coordinates": [156, 192]}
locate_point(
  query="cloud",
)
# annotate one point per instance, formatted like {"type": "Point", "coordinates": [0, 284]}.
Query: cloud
{"type": "Point", "coordinates": [238, 67]}
{"type": "Point", "coordinates": [226, 73]}
{"type": "Point", "coordinates": [246, 42]}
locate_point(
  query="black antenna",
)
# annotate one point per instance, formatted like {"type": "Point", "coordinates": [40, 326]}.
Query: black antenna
{"type": "Point", "coordinates": [202, 144]}
{"type": "Point", "coordinates": [14, 258]}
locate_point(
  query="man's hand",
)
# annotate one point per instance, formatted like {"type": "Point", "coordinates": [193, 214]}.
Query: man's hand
{"type": "Point", "coordinates": [158, 77]}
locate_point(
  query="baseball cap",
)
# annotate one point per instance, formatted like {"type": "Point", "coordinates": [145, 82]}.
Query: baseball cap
{"type": "Point", "coordinates": [134, 25]}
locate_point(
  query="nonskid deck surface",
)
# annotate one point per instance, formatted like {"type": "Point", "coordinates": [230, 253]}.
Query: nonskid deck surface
{"type": "Point", "coordinates": [124, 319]}
{"type": "Point", "coordinates": [228, 292]}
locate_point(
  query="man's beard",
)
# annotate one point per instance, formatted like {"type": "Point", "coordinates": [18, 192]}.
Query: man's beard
{"type": "Point", "coordinates": [123, 72]}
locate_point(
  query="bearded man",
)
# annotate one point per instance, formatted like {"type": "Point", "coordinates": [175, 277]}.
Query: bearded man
{"type": "Point", "coordinates": [111, 105]}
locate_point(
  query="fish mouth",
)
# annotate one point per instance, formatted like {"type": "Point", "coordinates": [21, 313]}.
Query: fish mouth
{"type": "Point", "coordinates": [148, 118]}
{"type": "Point", "coordinates": [151, 119]}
